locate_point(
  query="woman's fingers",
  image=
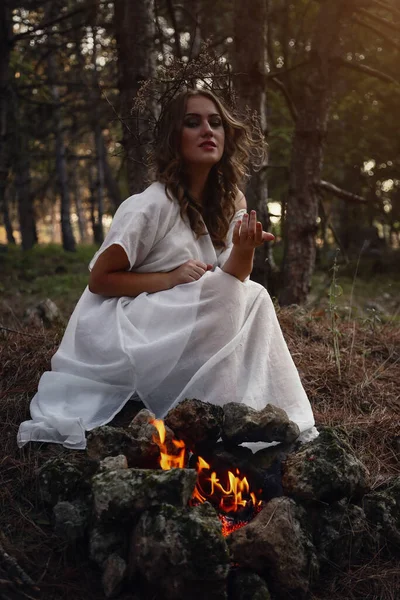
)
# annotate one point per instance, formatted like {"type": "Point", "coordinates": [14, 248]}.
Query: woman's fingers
{"type": "Point", "coordinates": [248, 232]}
{"type": "Point", "coordinates": [245, 227]}
{"type": "Point", "coordinates": [198, 269]}
{"type": "Point", "coordinates": [267, 237]}
{"type": "Point", "coordinates": [259, 233]}
{"type": "Point", "coordinates": [236, 232]}
{"type": "Point", "coordinates": [197, 272]}
{"type": "Point", "coordinates": [251, 232]}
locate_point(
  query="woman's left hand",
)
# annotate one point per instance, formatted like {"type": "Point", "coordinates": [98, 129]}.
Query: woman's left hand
{"type": "Point", "coordinates": [248, 233]}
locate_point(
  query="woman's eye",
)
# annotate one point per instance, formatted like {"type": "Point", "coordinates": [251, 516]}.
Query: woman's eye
{"type": "Point", "coordinates": [191, 123]}
{"type": "Point", "coordinates": [216, 123]}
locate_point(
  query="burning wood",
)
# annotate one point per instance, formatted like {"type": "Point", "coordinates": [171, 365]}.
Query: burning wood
{"type": "Point", "coordinates": [236, 504]}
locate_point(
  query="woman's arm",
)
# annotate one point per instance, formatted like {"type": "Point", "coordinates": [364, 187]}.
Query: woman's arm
{"type": "Point", "coordinates": [247, 235]}
{"type": "Point", "coordinates": [110, 275]}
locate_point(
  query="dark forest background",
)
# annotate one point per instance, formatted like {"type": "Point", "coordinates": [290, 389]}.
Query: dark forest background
{"type": "Point", "coordinates": [323, 76]}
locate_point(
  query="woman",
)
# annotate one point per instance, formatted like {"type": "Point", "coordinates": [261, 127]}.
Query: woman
{"type": "Point", "coordinates": [169, 312]}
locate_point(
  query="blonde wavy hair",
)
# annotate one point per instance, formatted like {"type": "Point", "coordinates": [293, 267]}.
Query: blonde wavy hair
{"type": "Point", "coordinates": [244, 141]}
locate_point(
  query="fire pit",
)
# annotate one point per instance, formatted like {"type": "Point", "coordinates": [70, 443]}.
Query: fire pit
{"type": "Point", "coordinates": [169, 511]}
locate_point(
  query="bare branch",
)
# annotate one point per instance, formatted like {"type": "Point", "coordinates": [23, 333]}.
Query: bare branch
{"type": "Point", "coordinates": [289, 100]}
{"type": "Point", "coordinates": [49, 23]}
{"type": "Point", "coordinates": [349, 64]}
{"type": "Point", "coordinates": [378, 32]}
{"type": "Point", "coordinates": [381, 20]}
{"type": "Point", "coordinates": [339, 192]}
{"type": "Point", "coordinates": [387, 7]}
{"type": "Point", "coordinates": [281, 72]}
{"type": "Point", "coordinates": [172, 15]}
{"type": "Point", "coordinates": [12, 568]}
{"type": "Point", "coordinates": [11, 560]}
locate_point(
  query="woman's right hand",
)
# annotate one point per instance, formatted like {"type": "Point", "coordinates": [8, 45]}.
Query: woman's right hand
{"type": "Point", "coordinates": [190, 271]}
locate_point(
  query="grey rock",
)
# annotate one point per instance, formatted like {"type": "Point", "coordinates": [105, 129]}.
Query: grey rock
{"type": "Point", "coordinates": [277, 545]}
{"type": "Point", "coordinates": [104, 542]}
{"type": "Point", "coordinates": [58, 479]}
{"type": "Point", "coordinates": [325, 469]}
{"type": "Point", "coordinates": [46, 312]}
{"type": "Point", "coordinates": [141, 452]}
{"type": "Point", "coordinates": [382, 508]}
{"type": "Point", "coordinates": [265, 458]}
{"type": "Point", "coordinates": [342, 535]}
{"type": "Point", "coordinates": [120, 495]}
{"type": "Point", "coordinates": [180, 553]}
{"type": "Point", "coordinates": [70, 519]}
{"type": "Point", "coordinates": [143, 417]}
{"type": "Point", "coordinates": [247, 585]}
{"type": "Point", "coordinates": [195, 422]}
{"type": "Point", "coordinates": [113, 463]}
{"type": "Point", "coordinates": [143, 430]}
{"type": "Point", "coordinates": [115, 569]}
{"type": "Point", "coordinates": [244, 424]}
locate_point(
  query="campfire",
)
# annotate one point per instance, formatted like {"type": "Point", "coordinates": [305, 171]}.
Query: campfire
{"type": "Point", "coordinates": [233, 498]}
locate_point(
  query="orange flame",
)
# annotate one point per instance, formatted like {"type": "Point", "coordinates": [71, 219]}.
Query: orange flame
{"type": "Point", "coordinates": [168, 461]}
{"type": "Point", "coordinates": [233, 497]}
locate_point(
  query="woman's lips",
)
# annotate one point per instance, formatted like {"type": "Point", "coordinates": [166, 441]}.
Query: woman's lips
{"type": "Point", "coordinates": [208, 146]}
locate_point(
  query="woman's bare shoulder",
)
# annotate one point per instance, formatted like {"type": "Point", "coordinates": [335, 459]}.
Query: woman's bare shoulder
{"type": "Point", "coordinates": [240, 201]}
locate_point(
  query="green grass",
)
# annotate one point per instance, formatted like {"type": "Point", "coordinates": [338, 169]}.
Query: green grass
{"type": "Point", "coordinates": [362, 298]}
{"type": "Point", "coordinates": [43, 272]}
{"type": "Point", "coordinates": [50, 272]}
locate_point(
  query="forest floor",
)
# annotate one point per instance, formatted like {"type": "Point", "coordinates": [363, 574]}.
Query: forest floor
{"type": "Point", "coordinates": [346, 345]}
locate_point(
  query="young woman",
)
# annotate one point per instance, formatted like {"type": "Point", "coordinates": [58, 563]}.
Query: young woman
{"type": "Point", "coordinates": [169, 312]}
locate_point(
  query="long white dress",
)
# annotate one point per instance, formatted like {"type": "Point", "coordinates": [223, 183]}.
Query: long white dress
{"type": "Point", "coordinates": [216, 339]}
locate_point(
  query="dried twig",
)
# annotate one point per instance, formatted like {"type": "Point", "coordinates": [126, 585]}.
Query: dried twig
{"type": "Point", "coordinates": [38, 337]}
{"type": "Point", "coordinates": [14, 571]}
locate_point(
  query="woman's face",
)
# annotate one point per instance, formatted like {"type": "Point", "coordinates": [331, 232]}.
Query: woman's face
{"type": "Point", "coordinates": [203, 135]}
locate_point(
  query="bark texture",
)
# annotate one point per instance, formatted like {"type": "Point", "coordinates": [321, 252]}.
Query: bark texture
{"type": "Point", "coordinates": [249, 66]}
{"type": "Point", "coordinates": [135, 31]}
{"type": "Point", "coordinates": [313, 104]}
{"type": "Point", "coordinates": [68, 240]}
{"type": "Point", "coordinates": [5, 51]}
{"type": "Point", "coordinates": [25, 197]}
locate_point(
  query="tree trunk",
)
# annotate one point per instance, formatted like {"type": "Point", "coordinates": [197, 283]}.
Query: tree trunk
{"type": "Point", "coordinates": [135, 31]}
{"type": "Point", "coordinates": [22, 171]}
{"type": "Point", "coordinates": [7, 221]}
{"type": "Point", "coordinates": [99, 181]}
{"type": "Point", "coordinates": [97, 234]}
{"type": "Point", "coordinates": [25, 198]}
{"type": "Point", "coordinates": [68, 240]}
{"type": "Point", "coordinates": [98, 141]}
{"type": "Point", "coordinates": [249, 66]}
{"type": "Point", "coordinates": [78, 205]}
{"type": "Point", "coordinates": [313, 104]}
{"type": "Point", "coordinates": [109, 179]}
{"type": "Point", "coordinates": [5, 51]}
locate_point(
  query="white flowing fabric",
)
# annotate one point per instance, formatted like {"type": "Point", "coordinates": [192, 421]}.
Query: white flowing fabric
{"type": "Point", "coordinates": [216, 339]}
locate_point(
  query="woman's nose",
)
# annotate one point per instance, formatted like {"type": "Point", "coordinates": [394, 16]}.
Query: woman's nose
{"type": "Point", "coordinates": [206, 128]}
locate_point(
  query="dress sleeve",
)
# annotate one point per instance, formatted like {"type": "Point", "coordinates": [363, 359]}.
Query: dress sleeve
{"type": "Point", "coordinates": [140, 222]}
{"type": "Point", "coordinates": [224, 254]}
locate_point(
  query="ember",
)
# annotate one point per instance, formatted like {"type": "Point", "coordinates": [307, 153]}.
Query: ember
{"type": "Point", "coordinates": [231, 524]}
{"type": "Point", "coordinates": [236, 503]}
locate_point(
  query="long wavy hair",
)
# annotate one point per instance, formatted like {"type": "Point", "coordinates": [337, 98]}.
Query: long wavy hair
{"type": "Point", "coordinates": [243, 140]}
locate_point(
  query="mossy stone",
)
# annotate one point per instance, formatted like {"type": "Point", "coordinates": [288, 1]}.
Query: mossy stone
{"type": "Point", "coordinates": [181, 552]}
{"type": "Point", "coordinates": [325, 469]}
